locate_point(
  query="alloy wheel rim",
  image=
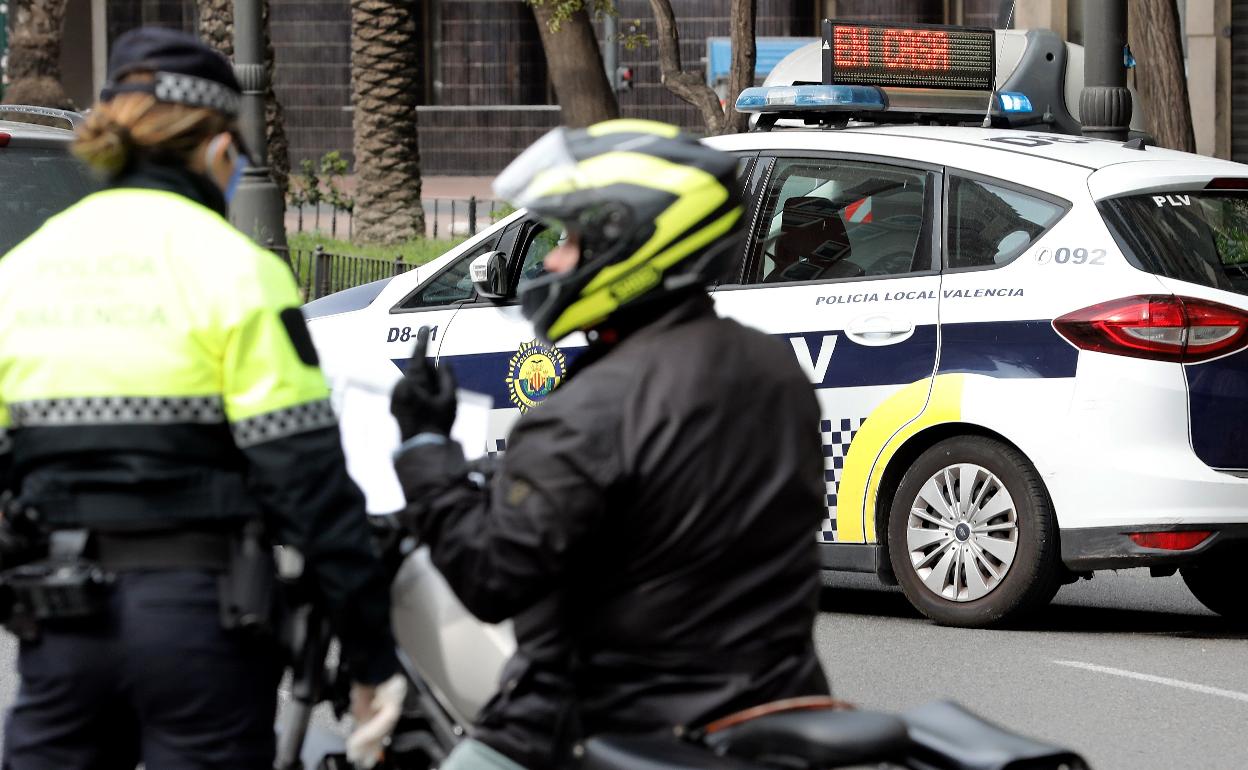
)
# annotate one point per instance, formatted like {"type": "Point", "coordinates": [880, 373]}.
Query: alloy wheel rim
{"type": "Point", "coordinates": [962, 532]}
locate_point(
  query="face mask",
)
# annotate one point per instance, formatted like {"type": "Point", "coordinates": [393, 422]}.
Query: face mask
{"type": "Point", "coordinates": [231, 187]}
{"type": "Point", "coordinates": [238, 164]}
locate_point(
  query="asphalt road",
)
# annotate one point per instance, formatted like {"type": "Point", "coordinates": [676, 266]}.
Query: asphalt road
{"type": "Point", "coordinates": [1127, 669]}
{"type": "Point", "coordinates": [1130, 671]}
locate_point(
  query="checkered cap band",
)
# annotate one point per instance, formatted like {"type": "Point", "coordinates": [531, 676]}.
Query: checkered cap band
{"type": "Point", "coordinates": [281, 423]}
{"type": "Point", "coordinates": [195, 92]}
{"type": "Point", "coordinates": [116, 410]}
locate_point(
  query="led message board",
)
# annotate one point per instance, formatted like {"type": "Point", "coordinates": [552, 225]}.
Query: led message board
{"type": "Point", "coordinates": [908, 56]}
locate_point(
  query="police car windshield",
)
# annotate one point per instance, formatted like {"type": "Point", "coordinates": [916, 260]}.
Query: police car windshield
{"type": "Point", "coordinates": [1199, 237]}
{"type": "Point", "coordinates": [35, 183]}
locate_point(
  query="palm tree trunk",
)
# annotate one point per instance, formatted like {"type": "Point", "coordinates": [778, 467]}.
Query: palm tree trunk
{"type": "Point", "coordinates": [385, 59]}
{"type": "Point", "coordinates": [35, 54]}
{"type": "Point", "coordinates": [216, 28]}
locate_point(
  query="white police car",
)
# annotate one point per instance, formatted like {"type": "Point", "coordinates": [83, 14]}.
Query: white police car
{"type": "Point", "coordinates": [1031, 348]}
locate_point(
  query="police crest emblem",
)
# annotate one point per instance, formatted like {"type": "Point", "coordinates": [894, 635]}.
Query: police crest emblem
{"type": "Point", "coordinates": [533, 373]}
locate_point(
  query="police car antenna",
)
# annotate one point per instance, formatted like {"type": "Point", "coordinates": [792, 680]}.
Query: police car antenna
{"type": "Point", "coordinates": [992, 96]}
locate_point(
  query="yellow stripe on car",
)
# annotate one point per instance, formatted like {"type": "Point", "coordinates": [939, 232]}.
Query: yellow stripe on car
{"type": "Point", "coordinates": [890, 425]}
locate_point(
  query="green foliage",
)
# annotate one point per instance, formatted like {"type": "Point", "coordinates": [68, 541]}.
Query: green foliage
{"type": "Point", "coordinates": [503, 211]}
{"type": "Point", "coordinates": [633, 38]}
{"type": "Point", "coordinates": [305, 189]}
{"type": "Point", "coordinates": [333, 167]}
{"type": "Point", "coordinates": [564, 9]}
{"type": "Point", "coordinates": [415, 252]}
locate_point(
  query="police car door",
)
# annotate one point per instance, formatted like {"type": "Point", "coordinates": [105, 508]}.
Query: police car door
{"type": "Point", "coordinates": [436, 301]}
{"type": "Point", "coordinates": [843, 266]}
{"type": "Point", "coordinates": [491, 347]}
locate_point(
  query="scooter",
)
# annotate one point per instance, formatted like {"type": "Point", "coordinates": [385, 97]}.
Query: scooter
{"type": "Point", "coordinates": [453, 662]}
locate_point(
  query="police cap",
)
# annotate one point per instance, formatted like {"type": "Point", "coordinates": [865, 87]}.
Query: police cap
{"type": "Point", "coordinates": [184, 70]}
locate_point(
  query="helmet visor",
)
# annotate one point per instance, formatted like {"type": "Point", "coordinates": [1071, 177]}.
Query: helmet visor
{"type": "Point", "coordinates": [546, 169]}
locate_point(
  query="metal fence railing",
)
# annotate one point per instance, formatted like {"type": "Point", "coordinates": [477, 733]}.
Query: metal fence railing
{"type": "Point", "coordinates": [319, 272]}
{"type": "Point", "coordinates": [444, 217]}
{"type": "Point", "coordinates": [458, 217]}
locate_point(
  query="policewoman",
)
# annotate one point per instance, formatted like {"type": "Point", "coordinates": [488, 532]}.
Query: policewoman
{"type": "Point", "coordinates": [158, 392]}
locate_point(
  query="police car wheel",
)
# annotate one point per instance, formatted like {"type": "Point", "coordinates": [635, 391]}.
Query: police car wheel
{"type": "Point", "coordinates": [1218, 585]}
{"type": "Point", "coordinates": [971, 534]}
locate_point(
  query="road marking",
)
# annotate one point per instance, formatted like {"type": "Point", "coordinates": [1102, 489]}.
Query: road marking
{"type": "Point", "coordinates": [1200, 688]}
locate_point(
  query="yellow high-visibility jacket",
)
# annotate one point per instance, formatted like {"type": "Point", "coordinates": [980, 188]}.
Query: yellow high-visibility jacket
{"type": "Point", "coordinates": [156, 373]}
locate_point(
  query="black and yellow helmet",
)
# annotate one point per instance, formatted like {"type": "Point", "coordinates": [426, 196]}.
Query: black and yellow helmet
{"type": "Point", "coordinates": [655, 212]}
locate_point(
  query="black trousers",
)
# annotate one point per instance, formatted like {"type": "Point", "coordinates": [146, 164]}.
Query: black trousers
{"type": "Point", "coordinates": [156, 681]}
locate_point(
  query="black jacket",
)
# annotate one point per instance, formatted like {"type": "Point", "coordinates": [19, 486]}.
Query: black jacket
{"type": "Point", "coordinates": [651, 532]}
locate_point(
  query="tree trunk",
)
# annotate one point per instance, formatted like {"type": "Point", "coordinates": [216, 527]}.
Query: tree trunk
{"type": "Point", "coordinates": [574, 63]}
{"type": "Point", "coordinates": [688, 86]}
{"type": "Point", "coordinates": [1160, 80]}
{"type": "Point", "coordinates": [385, 57]}
{"type": "Point", "coordinates": [216, 28]}
{"type": "Point", "coordinates": [744, 57]}
{"type": "Point", "coordinates": [35, 55]}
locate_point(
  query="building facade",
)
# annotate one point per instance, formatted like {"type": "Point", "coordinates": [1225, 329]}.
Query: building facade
{"type": "Point", "coordinates": [485, 93]}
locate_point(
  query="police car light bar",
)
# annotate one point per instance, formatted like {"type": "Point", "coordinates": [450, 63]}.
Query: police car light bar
{"type": "Point", "coordinates": [1012, 101]}
{"type": "Point", "coordinates": [802, 99]}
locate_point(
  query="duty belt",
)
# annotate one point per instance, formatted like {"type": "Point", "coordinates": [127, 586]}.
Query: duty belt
{"type": "Point", "coordinates": [194, 549]}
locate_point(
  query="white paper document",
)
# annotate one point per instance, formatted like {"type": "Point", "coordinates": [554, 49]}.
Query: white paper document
{"type": "Point", "coordinates": [370, 435]}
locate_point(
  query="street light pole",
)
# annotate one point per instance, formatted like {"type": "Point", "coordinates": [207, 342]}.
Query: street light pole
{"type": "Point", "coordinates": [1105, 103]}
{"type": "Point", "coordinates": [610, 47]}
{"type": "Point", "coordinates": [257, 208]}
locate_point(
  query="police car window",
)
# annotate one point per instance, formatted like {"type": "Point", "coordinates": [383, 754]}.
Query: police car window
{"type": "Point", "coordinates": [535, 251]}
{"type": "Point", "coordinates": [453, 284]}
{"type": "Point", "coordinates": [1198, 237]}
{"type": "Point", "coordinates": [828, 219]}
{"type": "Point", "coordinates": [990, 225]}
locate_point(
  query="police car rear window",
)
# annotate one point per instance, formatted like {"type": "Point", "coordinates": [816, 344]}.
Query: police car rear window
{"type": "Point", "coordinates": [1197, 237]}
{"type": "Point", "coordinates": [35, 183]}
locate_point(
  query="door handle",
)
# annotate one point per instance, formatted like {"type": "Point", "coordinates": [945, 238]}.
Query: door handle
{"type": "Point", "coordinates": [879, 329]}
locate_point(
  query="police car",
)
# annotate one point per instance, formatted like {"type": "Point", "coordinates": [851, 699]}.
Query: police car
{"type": "Point", "coordinates": [41, 177]}
{"type": "Point", "coordinates": [1030, 347]}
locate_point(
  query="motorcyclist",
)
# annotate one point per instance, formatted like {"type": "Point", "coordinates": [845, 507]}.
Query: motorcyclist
{"type": "Point", "coordinates": [650, 529]}
{"type": "Point", "coordinates": [159, 391]}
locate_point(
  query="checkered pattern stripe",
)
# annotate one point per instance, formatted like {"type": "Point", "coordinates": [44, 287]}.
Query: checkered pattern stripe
{"type": "Point", "coordinates": [500, 446]}
{"type": "Point", "coordinates": [837, 436]}
{"type": "Point", "coordinates": [116, 410]}
{"type": "Point", "coordinates": [281, 423]}
{"type": "Point", "coordinates": [195, 92]}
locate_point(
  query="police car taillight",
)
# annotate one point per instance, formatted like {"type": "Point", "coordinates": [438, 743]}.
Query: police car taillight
{"type": "Point", "coordinates": [1158, 327]}
{"type": "Point", "coordinates": [4, 139]}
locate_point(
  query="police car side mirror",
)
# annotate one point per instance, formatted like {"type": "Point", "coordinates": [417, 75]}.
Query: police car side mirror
{"type": "Point", "coordinates": [489, 274]}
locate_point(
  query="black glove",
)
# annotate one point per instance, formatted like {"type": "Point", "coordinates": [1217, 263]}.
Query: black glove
{"type": "Point", "coordinates": [424, 400]}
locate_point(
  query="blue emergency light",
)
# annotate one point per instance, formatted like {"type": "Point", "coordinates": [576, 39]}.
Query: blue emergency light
{"type": "Point", "coordinates": [1012, 101]}
{"type": "Point", "coordinates": [826, 98]}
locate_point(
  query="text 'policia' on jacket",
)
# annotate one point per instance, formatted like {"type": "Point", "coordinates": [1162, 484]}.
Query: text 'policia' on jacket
{"type": "Point", "coordinates": [159, 360]}
{"type": "Point", "coordinates": [163, 378]}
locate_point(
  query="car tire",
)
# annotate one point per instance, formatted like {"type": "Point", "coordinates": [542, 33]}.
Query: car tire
{"type": "Point", "coordinates": [1218, 584]}
{"type": "Point", "coordinates": [981, 556]}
